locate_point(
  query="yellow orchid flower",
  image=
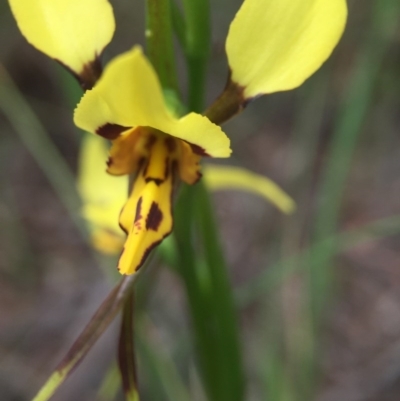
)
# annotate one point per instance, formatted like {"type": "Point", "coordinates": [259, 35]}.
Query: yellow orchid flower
{"type": "Point", "coordinates": [126, 106]}
{"type": "Point", "coordinates": [271, 46]}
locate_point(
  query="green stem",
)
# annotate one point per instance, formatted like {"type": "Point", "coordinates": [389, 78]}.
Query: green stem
{"type": "Point", "coordinates": [197, 49]}
{"type": "Point", "coordinates": [231, 368]}
{"type": "Point", "coordinates": [159, 42]}
{"type": "Point", "coordinates": [206, 347]}
{"type": "Point", "coordinates": [126, 351]}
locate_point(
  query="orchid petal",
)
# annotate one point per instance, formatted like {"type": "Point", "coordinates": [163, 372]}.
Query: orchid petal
{"type": "Point", "coordinates": [275, 45]}
{"type": "Point", "coordinates": [236, 178]}
{"type": "Point", "coordinates": [129, 95]}
{"type": "Point", "coordinates": [73, 32]}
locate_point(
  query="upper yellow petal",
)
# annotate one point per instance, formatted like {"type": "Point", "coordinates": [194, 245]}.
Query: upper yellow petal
{"type": "Point", "coordinates": [275, 45]}
{"type": "Point", "coordinates": [129, 94]}
{"type": "Point", "coordinates": [228, 177]}
{"type": "Point", "coordinates": [74, 32]}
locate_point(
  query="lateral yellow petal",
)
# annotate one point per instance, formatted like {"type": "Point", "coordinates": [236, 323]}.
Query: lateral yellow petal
{"type": "Point", "coordinates": [126, 151]}
{"type": "Point", "coordinates": [73, 32]}
{"type": "Point", "coordinates": [147, 215]}
{"type": "Point", "coordinates": [236, 178]}
{"type": "Point", "coordinates": [275, 45]}
{"type": "Point", "coordinates": [189, 164]}
{"type": "Point", "coordinates": [103, 195]}
{"type": "Point", "coordinates": [129, 95]}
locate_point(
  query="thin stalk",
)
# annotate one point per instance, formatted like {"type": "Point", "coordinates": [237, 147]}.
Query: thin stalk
{"type": "Point", "coordinates": [126, 351]}
{"type": "Point", "coordinates": [197, 49]}
{"type": "Point", "coordinates": [197, 297]}
{"type": "Point", "coordinates": [159, 42]}
{"type": "Point", "coordinates": [95, 328]}
{"type": "Point", "coordinates": [231, 376]}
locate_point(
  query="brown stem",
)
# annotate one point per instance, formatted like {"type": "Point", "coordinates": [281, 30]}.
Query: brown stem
{"type": "Point", "coordinates": [228, 104]}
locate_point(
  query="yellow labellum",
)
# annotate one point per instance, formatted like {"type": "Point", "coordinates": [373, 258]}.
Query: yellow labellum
{"type": "Point", "coordinates": [73, 32]}
{"type": "Point", "coordinates": [228, 177]}
{"type": "Point", "coordinates": [147, 215]}
{"type": "Point", "coordinates": [275, 45]}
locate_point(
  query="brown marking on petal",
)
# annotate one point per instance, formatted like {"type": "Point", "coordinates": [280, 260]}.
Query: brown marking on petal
{"type": "Point", "coordinates": [157, 181]}
{"type": "Point", "coordinates": [109, 161]}
{"type": "Point", "coordinates": [170, 143]}
{"type": "Point", "coordinates": [149, 249]}
{"type": "Point", "coordinates": [166, 168]}
{"type": "Point", "coordinates": [123, 228]}
{"type": "Point", "coordinates": [147, 161]}
{"type": "Point", "coordinates": [120, 225]}
{"type": "Point", "coordinates": [199, 175]}
{"type": "Point", "coordinates": [111, 131]}
{"type": "Point", "coordinates": [198, 150]}
{"type": "Point", "coordinates": [90, 74]}
{"type": "Point", "coordinates": [151, 140]}
{"type": "Point", "coordinates": [174, 170]}
{"type": "Point", "coordinates": [147, 252]}
{"type": "Point", "coordinates": [154, 217]}
{"type": "Point", "coordinates": [138, 215]}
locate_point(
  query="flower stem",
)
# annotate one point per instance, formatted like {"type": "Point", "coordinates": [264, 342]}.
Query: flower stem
{"type": "Point", "coordinates": [197, 49]}
{"type": "Point", "coordinates": [159, 42]}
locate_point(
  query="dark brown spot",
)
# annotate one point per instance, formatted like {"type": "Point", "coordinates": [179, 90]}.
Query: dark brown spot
{"type": "Point", "coordinates": [123, 228]}
{"type": "Point", "coordinates": [157, 181]}
{"type": "Point", "coordinates": [147, 252]}
{"type": "Point", "coordinates": [199, 175]}
{"type": "Point", "coordinates": [198, 150]}
{"type": "Point", "coordinates": [154, 217]}
{"type": "Point", "coordinates": [170, 144]}
{"type": "Point", "coordinates": [109, 161]}
{"type": "Point", "coordinates": [120, 225]}
{"type": "Point", "coordinates": [151, 140]}
{"type": "Point", "coordinates": [166, 168]}
{"type": "Point", "coordinates": [138, 216]}
{"type": "Point", "coordinates": [149, 249]}
{"type": "Point", "coordinates": [111, 131]}
{"type": "Point", "coordinates": [146, 166]}
{"type": "Point", "coordinates": [90, 73]}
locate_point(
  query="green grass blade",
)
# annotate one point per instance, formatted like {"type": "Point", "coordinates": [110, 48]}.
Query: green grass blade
{"type": "Point", "coordinates": [35, 138]}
